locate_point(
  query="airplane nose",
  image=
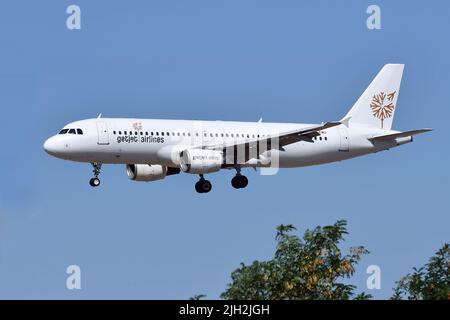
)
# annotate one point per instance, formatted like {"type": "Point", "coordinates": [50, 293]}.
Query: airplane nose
{"type": "Point", "coordinates": [51, 146]}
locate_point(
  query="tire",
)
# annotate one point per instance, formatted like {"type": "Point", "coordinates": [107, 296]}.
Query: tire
{"type": "Point", "coordinates": [94, 182]}
{"type": "Point", "coordinates": [206, 186]}
{"type": "Point", "coordinates": [243, 181]}
{"type": "Point", "coordinates": [239, 182]}
{"type": "Point", "coordinates": [235, 182]}
{"type": "Point", "coordinates": [198, 187]}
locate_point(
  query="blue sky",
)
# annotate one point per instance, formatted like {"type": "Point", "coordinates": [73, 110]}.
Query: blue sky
{"type": "Point", "coordinates": [288, 61]}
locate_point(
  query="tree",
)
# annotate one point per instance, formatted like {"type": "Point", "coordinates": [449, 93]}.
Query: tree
{"type": "Point", "coordinates": [430, 282]}
{"type": "Point", "coordinates": [308, 268]}
{"type": "Point", "coordinates": [198, 297]}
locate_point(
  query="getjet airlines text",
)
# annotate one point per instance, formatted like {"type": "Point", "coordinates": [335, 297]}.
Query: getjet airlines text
{"type": "Point", "coordinates": [136, 139]}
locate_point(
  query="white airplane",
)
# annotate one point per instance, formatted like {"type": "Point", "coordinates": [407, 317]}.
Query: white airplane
{"type": "Point", "coordinates": [152, 149]}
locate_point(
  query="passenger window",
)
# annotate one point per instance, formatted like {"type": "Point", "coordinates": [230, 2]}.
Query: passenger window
{"type": "Point", "coordinates": [72, 131]}
{"type": "Point", "coordinates": [168, 133]}
{"type": "Point", "coordinates": [326, 138]}
{"type": "Point", "coordinates": [114, 132]}
{"type": "Point", "coordinates": [120, 132]}
{"type": "Point", "coordinates": [162, 133]}
{"type": "Point", "coordinates": [211, 135]}
{"type": "Point", "coordinates": [63, 131]}
{"type": "Point", "coordinates": [320, 138]}
{"type": "Point", "coordinates": [189, 134]}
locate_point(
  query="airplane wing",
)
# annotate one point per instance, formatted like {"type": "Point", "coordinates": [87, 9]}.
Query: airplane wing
{"type": "Point", "coordinates": [255, 147]}
{"type": "Point", "coordinates": [399, 135]}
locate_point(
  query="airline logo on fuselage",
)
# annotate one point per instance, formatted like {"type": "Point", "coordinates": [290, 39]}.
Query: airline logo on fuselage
{"type": "Point", "coordinates": [139, 139]}
{"type": "Point", "coordinates": [138, 136]}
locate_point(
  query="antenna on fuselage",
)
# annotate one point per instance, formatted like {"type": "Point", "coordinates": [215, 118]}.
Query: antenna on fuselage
{"type": "Point", "coordinates": [260, 120]}
{"type": "Point", "coordinates": [99, 116]}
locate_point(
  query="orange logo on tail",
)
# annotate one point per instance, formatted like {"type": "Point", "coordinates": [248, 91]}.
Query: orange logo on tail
{"type": "Point", "coordinates": [382, 106]}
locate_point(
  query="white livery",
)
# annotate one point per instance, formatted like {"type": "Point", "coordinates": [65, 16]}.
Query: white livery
{"type": "Point", "coordinates": [152, 149]}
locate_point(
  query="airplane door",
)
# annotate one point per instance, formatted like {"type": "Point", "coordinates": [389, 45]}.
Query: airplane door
{"type": "Point", "coordinates": [103, 136]}
{"type": "Point", "coordinates": [343, 133]}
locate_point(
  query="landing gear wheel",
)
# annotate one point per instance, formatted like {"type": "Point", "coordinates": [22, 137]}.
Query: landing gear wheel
{"type": "Point", "coordinates": [239, 181]}
{"type": "Point", "coordinates": [198, 187]}
{"type": "Point", "coordinates": [243, 181]}
{"type": "Point", "coordinates": [94, 182]}
{"type": "Point", "coordinates": [203, 186]}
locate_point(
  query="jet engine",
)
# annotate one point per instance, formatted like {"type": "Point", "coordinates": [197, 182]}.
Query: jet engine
{"type": "Point", "coordinates": [146, 172]}
{"type": "Point", "coordinates": [200, 161]}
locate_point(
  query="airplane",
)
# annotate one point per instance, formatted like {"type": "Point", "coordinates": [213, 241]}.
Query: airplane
{"type": "Point", "coordinates": [152, 149]}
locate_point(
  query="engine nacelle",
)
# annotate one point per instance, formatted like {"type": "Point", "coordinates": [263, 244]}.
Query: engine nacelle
{"type": "Point", "coordinates": [199, 161]}
{"type": "Point", "coordinates": [146, 172]}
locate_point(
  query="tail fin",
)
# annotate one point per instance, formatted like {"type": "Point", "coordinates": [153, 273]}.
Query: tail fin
{"type": "Point", "coordinates": [376, 106]}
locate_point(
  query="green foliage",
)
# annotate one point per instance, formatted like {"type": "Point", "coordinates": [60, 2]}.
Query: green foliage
{"type": "Point", "coordinates": [431, 282]}
{"type": "Point", "coordinates": [308, 268]}
{"type": "Point", "coordinates": [198, 297]}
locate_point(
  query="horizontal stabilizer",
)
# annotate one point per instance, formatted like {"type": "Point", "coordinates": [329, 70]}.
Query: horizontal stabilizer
{"type": "Point", "coordinates": [399, 135]}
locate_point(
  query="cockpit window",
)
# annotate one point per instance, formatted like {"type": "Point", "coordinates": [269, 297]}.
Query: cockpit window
{"type": "Point", "coordinates": [72, 131]}
{"type": "Point", "coordinates": [79, 131]}
{"type": "Point", "coordinates": [63, 131]}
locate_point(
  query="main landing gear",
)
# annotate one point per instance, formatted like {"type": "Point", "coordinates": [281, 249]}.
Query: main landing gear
{"type": "Point", "coordinates": [239, 181]}
{"type": "Point", "coordinates": [203, 185]}
{"type": "Point", "coordinates": [95, 181]}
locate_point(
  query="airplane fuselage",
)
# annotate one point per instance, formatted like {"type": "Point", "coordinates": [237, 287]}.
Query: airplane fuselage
{"type": "Point", "coordinates": [155, 141]}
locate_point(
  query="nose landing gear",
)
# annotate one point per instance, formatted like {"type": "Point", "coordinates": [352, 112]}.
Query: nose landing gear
{"type": "Point", "coordinates": [95, 181]}
{"type": "Point", "coordinates": [203, 185]}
